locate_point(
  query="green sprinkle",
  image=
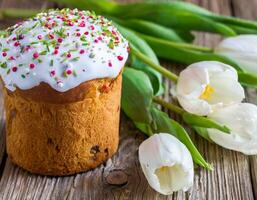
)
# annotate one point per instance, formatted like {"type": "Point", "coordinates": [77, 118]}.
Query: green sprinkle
{"type": "Point", "coordinates": [65, 59]}
{"type": "Point", "coordinates": [65, 74]}
{"type": "Point", "coordinates": [52, 63]}
{"type": "Point", "coordinates": [85, 43]}
{"type": "Point", "coordinates": [34, 42]}
{"type": "Point", "coordinates": [83, 38]}
{"type": "Point", "coordinates": [75, 73]}
{"type": "Point", "coordinates": [64, 54]}
{"type": "Point", "coordinates": [75, 59]}
{"type": "Point", "coordinates": [6, 49]}
{"type": "Point", "coordinates": [8, 71]}
{"type": "Point", "coordinates": [43, 53]}
{"type": "Point", "coordinates": [23, 76]}
{"type": "Point", "coordinates": [111, 44]}
{"type": "Point", "coordinates": [40, 61]}
{"type": "Point", "coordinates": [35, 25]}
{"type": "Point", "coordinates": [3, 65]}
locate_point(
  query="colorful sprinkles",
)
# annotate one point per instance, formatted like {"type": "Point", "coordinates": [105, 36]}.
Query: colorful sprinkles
{"type": "Point", "coordinates": [62, 48]}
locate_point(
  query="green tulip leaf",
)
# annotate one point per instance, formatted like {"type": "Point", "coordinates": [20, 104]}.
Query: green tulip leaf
{"type": "Point", "coordinates": [138, 43]}
{"type": "Point", "coordinates": [137, 94]}
{"type": "Point", "coordinates": [167, 125]}
{"type": "Point", "coordinates": [247, 79]}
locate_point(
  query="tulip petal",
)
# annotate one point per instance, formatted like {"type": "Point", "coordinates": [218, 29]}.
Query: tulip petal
{"type": "Point", "coordinates": [242, 120]}
{"type": "Point", "coordinates": [208, 85]}
{"type": "Point", "coordinates": [194, 105]}
{"type": "Point", "coordinates": [227, 91]}
{"type": "Point", "coordinates": [242, 49]}
{"type": "Point", "coordinates": [166, 163]}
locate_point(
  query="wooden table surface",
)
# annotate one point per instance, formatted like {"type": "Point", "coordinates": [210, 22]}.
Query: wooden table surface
{"type": "Point", "coordinates": [234, 177]}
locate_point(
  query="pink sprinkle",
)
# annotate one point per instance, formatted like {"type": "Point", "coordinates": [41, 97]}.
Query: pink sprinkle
{"type": "Point", "coordinates": [59, 40]}
{"type": "Point", "coordinates": [86, 33]}
{"type": "Point", "coordinates": [82, 24]}
{"type": "Point", "coordinates": [70, 24]}
{"type": "Point", "coordinates": [11, 58]}
{"type": "Point", "coordinates": [78, 34]}
{"type": "Point", "coordinates": [39, 37]}
{"type": "Point", "coordinates": [14, 69]}
{"type": "Point", "coordinates": [68, 55]}
{"type": "Point", "coordinates": [51, 36]}
{"type": "Point", "coordinates": [60, 83]}
{"type": "Point", "coordinates": [4, 54]}
{"type": "Point", "coordinates": [16, 44]}
{"type": "Point", "coordinates": [82, 51]}
{"type": "Point", "coordinates": [27, 48]}
{"type": "Point", "coordinates": [56, 51]}
{"type": "Point", "coordinates": [14, 39]}
{"type": "Point", "coordinates": [100, 38]}
{"type": "Point", "coordinates": [68, 71]}
{"type": "Point", "coordinates": [120, 58]}
{"type": "Point", "coordinates": [57, 47]}
{"type": "Point", "coordinates": [35, 55]}
{"type": "Point", "coordinates": [31, 66]}
{"type": "Point", "coordinates": [96, 41]}
{"type": "Point", "coordinates": [52, 73]}
{"type": "Point", "coordinates": [110, 64]}
{"type": "Point", "coordinates": [92, 27]}
{"type": "Point", "coordinates": [21, 37]}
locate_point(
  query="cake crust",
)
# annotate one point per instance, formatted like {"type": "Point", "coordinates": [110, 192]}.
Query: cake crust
{"type": "Point", "coordinates": [49, 137]}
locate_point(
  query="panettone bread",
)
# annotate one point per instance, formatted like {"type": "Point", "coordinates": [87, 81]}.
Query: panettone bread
{"type": "Point", "coordinates": [62, 72]}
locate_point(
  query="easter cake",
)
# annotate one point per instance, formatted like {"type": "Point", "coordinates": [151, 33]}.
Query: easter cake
{"type": "Point", "coordinates": [61, 72]}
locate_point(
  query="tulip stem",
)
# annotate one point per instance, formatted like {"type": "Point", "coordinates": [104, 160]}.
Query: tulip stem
{"type": "Point", "coordinates": [168, 74]}
{"type": "Point", "coordinates": [169, 106]}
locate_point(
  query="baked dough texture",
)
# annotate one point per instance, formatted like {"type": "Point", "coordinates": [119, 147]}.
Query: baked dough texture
{"type": "Point", "coordinates": [62, 133]}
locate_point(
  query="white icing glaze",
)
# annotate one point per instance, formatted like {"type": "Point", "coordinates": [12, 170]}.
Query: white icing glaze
{"type": "Point", "coordinates": [61, 48]}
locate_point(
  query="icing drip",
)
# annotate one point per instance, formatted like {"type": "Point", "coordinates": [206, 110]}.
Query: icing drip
{"type": "Point", "coordinates": [62, 48]}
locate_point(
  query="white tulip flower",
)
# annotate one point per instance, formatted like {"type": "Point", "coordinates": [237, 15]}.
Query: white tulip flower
{"type": "Point", "coordinates": [166, 163]}
{"type": "Point", "coordinates": [243, 49]}
{"type": "Point", "coordinates": [242, 120]}
{"type": "Point", "coordinates": [204, 86]}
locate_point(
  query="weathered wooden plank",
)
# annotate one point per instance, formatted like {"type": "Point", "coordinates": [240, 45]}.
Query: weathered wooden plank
{"type": "Point", "coordinates": [121, 177]}
{"type": "Point", "coordinates": [248, 11]}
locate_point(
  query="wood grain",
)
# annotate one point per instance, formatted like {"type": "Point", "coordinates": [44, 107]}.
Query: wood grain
{"type": "Point", "coordinates": [234, 177]}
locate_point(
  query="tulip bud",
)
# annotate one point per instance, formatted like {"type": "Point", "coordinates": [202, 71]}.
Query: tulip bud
{"type": "Point", "coordinates": [204, 86]}
{"type": "Point", "coordinates": [242, 49]}
{"type": "Point", "coordinates": [166, 163]}
{"type": "Point", "coordinates": [242, 120]}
